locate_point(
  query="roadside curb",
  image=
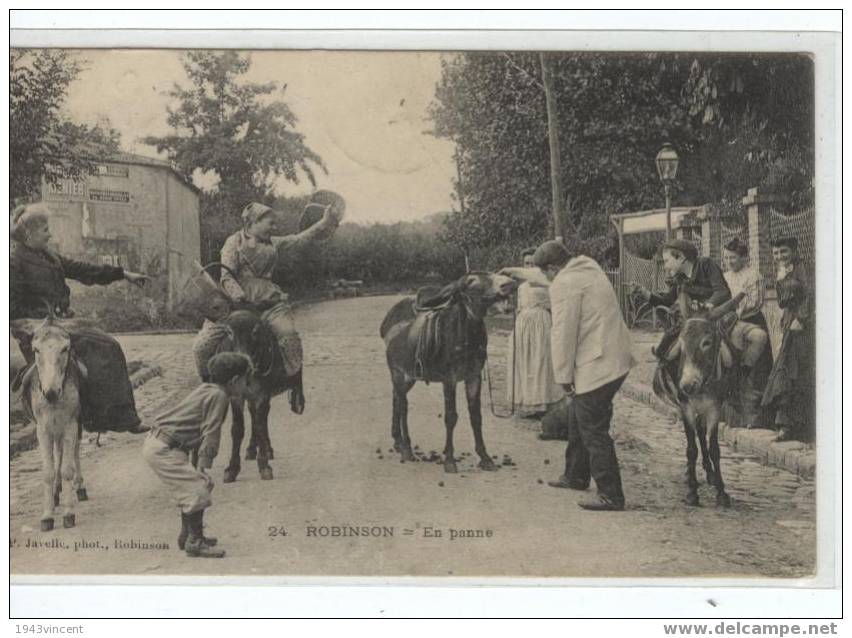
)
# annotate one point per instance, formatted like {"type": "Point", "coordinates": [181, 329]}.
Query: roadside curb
{"type": "Point", "coordinates": [789, 455]}
{"type": "Point", "coordinates": [25, 438]}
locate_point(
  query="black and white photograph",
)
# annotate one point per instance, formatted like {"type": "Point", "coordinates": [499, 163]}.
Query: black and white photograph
{"type": "Point", "coordinates": [464, 312]}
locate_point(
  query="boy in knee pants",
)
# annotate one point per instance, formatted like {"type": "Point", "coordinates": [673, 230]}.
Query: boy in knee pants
{"type": "Point", "coordinates": [195, 424]}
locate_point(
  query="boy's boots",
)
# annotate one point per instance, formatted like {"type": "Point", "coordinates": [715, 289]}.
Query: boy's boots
{"type": "Point", "coordinates": [195, 543]}
{"type": "Point", "coordinates": [184, 533]}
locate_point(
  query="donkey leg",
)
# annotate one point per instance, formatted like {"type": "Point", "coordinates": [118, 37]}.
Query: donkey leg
{"type": "Point", "coordinates": [722, 497]}
{"type": "Point", "coordinates": [238, 430]}
{"type": "Point", "coordinates": [401, 394]}
{"type": "Point", "coordinates": [79, 488]}
{"type": "Point", "coordinates": [473, 388]}
{"type": "Point", "coordinates": [66, 471]}
{"type": "Point", "coordinates": [251, 449]}
{"type": "Point", "coordinates": [260, 430]}
{"type": "Point", "coordinates": [57, 475]}
{"type": "Point", "coordinates": [451, 417]}
{"type": "Point", "coordinates": [48, 467]}
{"type": "Point", "coordinates": [706, 461]}
{"type": "Point", "coordinates": [691, 458]}
{"type": "Point", "coordinates": [396, 435]}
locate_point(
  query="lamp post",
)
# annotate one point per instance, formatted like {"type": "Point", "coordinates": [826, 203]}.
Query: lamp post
{"type": "Point", "coordinates": [667, 161]}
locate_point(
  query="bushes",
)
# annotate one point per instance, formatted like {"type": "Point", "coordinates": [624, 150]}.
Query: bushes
{"type": "Point", "coordinates": [122, 307]}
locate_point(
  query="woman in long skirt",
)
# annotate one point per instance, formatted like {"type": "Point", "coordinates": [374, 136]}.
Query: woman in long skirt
{"type": "Point", "coordinates": [529, 376]}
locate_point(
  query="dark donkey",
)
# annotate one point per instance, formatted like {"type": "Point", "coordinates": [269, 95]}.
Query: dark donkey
{"type": "Point", "coordinates": [698, 376]}
{"type": "Point", "coordinates": [441, 337]}
{"type": "Point", "coordinates": [247, 334]}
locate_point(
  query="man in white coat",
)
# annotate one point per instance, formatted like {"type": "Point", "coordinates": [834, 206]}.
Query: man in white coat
{"type": "Point", "coordinates": [592, 355]}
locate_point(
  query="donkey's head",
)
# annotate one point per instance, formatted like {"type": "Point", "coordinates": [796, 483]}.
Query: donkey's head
{"type": "Point", "coordinates": [51, 346]}
{"type": "Point", "coordinates": [480, 290]}
{"type": "Point", "coordinates": [249, 335]}
{"type": "Point", "coordinates": [702, 352]}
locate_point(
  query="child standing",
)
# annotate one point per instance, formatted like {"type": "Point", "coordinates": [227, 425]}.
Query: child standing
{"type": "Point", "coordinates": [195, 424]}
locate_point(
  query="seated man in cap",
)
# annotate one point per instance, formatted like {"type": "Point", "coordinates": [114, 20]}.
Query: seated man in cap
{"type": "Point", "coordinates": [592, 354]}
{"type": "Point", "coordinates": [704, 285]}
{"type": "Point", "coordinates": [250, 256]}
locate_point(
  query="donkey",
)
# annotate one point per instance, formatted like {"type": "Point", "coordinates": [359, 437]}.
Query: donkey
{"type": "Point", "coordinates": [441, 337]}
{"type": "Point", "coordinates": [698, 375]}
{"type": "Point", "coordinates": [246, 333]}
{"type": "Point", "coordinates": [50, 393]}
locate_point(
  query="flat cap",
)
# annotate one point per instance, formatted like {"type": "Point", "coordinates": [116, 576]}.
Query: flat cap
{"type": "Point", "coordinates": [687, 248]}
{"type": "Point", "coordinates": [551, 253]}
{"type": "Point", "coordinates": [737, 245]}
{"type": "Point", "coordinates": [790, 242]}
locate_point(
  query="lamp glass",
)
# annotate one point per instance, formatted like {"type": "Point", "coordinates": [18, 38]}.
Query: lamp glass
{"type": "Point", "coordinates": [667, 161]}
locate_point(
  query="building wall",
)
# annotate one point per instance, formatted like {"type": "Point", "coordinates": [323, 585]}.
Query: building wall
{"type": "Point", "coordinates": [128, 215]}
{"type": "Point", "coordinates": [184, 233]}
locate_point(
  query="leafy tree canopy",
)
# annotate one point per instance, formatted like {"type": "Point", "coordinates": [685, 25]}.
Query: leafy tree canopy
{"type": "Point", "coordinates": [737, 121]}
{"type": "Point", "coordinates": [236, 131]}
{"type": "Point", "coordinates": [44, 143]}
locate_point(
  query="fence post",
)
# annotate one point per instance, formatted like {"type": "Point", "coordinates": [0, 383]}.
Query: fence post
{"type": "Point", "coordinates": [757, 206]}
{"type": "Point", "coordinates": [711, 233]}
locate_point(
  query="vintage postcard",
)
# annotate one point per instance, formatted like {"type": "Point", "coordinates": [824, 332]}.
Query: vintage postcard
{"type": "Point", "coordinates": [542, 311]}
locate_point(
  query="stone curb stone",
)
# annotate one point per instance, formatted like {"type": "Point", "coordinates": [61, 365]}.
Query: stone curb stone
{"type": "Point", "coordinates": [793, 456]}
{"type": "Point", "coordinates": [25, 438]}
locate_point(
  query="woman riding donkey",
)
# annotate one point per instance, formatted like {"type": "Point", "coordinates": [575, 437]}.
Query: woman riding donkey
{"type": "Point", "coordinates": [250, 257]}
{"type": "Point", "coordinates": [37, 289]}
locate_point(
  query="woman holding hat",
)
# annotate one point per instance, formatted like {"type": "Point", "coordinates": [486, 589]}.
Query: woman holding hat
{"type": "Point", "coordinates": [250, 256]}
{"type": "Point", "coordinates": [791, 386]}
{"type": "Point", "coordinates": [37, 289]}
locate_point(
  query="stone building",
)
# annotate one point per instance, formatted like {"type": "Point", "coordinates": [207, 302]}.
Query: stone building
{"type": "Point", "coordinates": [132, 211]}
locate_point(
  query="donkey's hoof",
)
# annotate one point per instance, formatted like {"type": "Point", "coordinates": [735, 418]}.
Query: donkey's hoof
{"type": "Point", "coordinates": [230, 476]}
{"type": "Point", "coordinates": [723, 500]}
{"type": "Point", "coordinates": [450, 467]}
{"type": "Point", "coordinates": [397, 447]}
{"type": "Point", "coordinates": [69, 520]}
{"type": "Point", "coordinates": [46, 524]}
{"type": "Point", "coordinates": [692, 499]}
{"type": "Point", "coordinates": [488, 465]}
{"type": "Point", "coordinates": [407, 455]}
{"type": "Point", "coordinates": [82, 495]}
{"type": "Point", "coordinates": [266, 473]}
{"type": "Point", "coordinates": [251, 454]}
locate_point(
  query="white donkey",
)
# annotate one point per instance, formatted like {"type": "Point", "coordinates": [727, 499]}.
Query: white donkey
{"type": "Point", "coordinates": [51, 393]}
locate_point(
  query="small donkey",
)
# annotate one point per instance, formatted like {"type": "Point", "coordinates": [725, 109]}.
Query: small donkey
{"type": "Point", "coordinates": [50, 388]}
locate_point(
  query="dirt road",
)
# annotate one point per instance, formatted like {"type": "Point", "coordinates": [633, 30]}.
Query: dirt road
{"type": "Point", "coordinates": [334, 471]}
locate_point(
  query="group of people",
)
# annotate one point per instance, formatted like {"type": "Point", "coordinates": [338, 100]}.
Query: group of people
{"type": "Point", "coordinates": [570, 346]}
{"type": "Point", "coordinates": [192, 427]}
{"type": "Point", "coordinates": [571, 349]}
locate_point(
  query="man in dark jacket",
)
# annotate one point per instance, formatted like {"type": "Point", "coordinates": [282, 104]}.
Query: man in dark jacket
{"type": "Point", "coordinates": [700, 278]}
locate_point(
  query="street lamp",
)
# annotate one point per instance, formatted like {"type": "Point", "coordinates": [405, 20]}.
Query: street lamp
{"type": "Point", "coordinates": [667, 161]}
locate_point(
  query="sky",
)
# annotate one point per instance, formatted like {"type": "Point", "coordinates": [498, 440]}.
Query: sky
{"type": "Point", "coordinates": [364, 113]}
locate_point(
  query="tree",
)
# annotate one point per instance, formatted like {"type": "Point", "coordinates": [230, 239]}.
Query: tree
{"type": "Point", "coordinates": [235, 131]}
{"type": "Point", "coordinates": [43, 143]}
{"type": "Point", "coordinates": [727, 115]}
